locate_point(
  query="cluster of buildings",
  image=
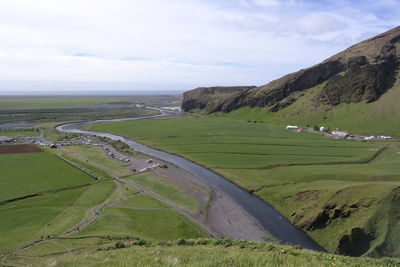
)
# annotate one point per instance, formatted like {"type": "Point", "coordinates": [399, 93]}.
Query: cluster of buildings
{"type": "Point", "coordinates": [340, 134]}
{"type": "Point", "coordinates": [151, 167]}
{"type": "Point", "coordinates": [379, 137]}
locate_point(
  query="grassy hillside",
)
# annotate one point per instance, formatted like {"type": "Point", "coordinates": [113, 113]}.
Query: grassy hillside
{"type": "Point", "coordinates": [378, 117]}
{"type": "Point", "coordinates": [357, 89]}
{"type": "Point", "coordinates": [200, 252]}
{"type": "Point", "coordinates": [329, 188]}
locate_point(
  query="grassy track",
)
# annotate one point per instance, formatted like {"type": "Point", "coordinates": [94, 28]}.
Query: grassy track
{"type": "Point", "coordinates": [298, 173]}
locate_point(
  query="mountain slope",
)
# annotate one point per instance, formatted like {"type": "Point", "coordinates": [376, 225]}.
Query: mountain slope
{"type": "Point", "coordinates": [360, 82]}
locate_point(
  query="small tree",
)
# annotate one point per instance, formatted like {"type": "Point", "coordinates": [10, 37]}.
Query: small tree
{"type": "Point", "coordinates": [316, 128]}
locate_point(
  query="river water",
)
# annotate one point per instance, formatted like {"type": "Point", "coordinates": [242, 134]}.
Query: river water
{"type": "Point", "coordinates": [278, 226]}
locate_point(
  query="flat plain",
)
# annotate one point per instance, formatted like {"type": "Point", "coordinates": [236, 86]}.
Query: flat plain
{"type": "Point", "coordinates": [53, 102]}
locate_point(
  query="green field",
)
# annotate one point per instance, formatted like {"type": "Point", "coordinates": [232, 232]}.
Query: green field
{"type": "Point", "coordinates": [154, 224]}
{"type": "Point", "coordinates": [19, 133]}
{"type": "Point", "coordinates": [62, 202]}
{"type": "Point", "coordinates": [158, 186]}
{"type": "Point", "coordinates": [31, 219]}
{"type": "Point", "coordinates": [29, 173]}
{"type": "Point", "coordinates": [98, 157]}
{"type": "Point", "coordinates": [53, 102]}
{"type": "Point", "coordinates": [200, 252]}
{"type": "Point", "coordinates": [305, 176]}
{"type": "Point", "coordinates": [67, 196]}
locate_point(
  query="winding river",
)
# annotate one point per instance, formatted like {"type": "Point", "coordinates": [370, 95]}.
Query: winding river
{"type": "Point", "coordinates": [270, 219]}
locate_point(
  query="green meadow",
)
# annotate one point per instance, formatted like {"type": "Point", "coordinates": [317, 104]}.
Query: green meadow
{"type": "Point", "coordinates": [62, 196]}
{"type": "Point", "coordinates": [97, 156]}
{"type": "Point", "coordinates": [19, 133]}
{"type": "Point", "coordinates": [29, 173]}
{"type": "Point", "coordinates": [31, 219]}
{"type": "Point", "coordinates": [171, 193]}
{"type": "Point", "coordinates": [138, 222]}
{"type": "Point", "coordinates": [303, 175]}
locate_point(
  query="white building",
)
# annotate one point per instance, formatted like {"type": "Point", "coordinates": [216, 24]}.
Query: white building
{"type": "Point", "coordinates": [292, 127]}
{"type": "Point", "coordinates": [341, 133]}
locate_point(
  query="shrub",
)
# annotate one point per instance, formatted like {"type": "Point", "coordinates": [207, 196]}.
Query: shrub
{"type": "Point", "coordinates": [119, 244]}
{"type": "Point", "coordinates": [181, 242]}
{"type": "Point", "coordinates": [297, 246]}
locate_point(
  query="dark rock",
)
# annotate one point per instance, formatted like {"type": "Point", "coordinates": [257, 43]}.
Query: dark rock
{"type": "Point", "coordinates": [330, 206]}
{"type": "Point", "coordinates": [213, 98]}
{"type": "Point", "coordinates": [354, 244]}
{"type": "Point", "coordinates": [317, 221]}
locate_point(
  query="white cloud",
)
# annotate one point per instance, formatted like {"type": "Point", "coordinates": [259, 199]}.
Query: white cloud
{"type": "Point", "coordinates": [316, 23]}
{"type": "Point", "coordinates": [176, 41]}
{"type": "Point", "coordinates": [267, 3]}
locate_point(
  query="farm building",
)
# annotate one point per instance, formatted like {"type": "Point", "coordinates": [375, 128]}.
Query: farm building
{"type": "Point", "coordinates": [341, 133]}
{"type": "Point", "coordinates": [292, 127]}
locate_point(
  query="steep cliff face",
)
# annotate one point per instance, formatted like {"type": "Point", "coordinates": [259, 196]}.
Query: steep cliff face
{"type": "Point", "coordinates": [361, 73]}
{"type": "Point", "coordinates": [214, 99]}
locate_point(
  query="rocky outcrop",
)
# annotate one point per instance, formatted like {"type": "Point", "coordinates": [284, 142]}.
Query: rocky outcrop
{"type": "Point", "coordinates": [214, 99]}
{"type": "Point", "coordinates": [356, 243]}
{"type": "Point", "coordinates": [361, 73]}
{"type": "Point", "coordinates": [276, 91]}
{"type": "Point", "coordinates": [324, 217]}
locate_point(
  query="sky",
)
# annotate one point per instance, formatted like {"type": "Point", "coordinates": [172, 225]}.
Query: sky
{"type": "Point", "coordinates": [108, 45]}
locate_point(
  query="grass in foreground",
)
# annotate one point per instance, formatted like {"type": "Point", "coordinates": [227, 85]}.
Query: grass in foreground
{"type": "Point", "coordinates": [201, 252]}
{"type": "Point", "coordinates": [162, 224]}
{"type": "Point", "coordinates": [300, 174]}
